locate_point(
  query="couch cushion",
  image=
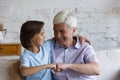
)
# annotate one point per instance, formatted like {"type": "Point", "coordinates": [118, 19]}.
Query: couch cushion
{"type": "Point", "coordinates": [4, 68]}
{"type": "Point", "coordinates": [110, 64]}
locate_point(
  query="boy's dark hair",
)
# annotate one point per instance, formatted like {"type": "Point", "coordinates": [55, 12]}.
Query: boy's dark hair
{"type": "Point", "coordinates": [28, 30]}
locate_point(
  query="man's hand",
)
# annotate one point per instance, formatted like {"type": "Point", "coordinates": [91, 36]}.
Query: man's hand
{"type": "Point", "coordinates": [57, 69]}
{"type": "Point", "coordinates": [61, 67]}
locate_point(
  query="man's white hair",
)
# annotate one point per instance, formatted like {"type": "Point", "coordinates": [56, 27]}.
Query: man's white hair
{"type": "Point", "coordinates": [65, 17]}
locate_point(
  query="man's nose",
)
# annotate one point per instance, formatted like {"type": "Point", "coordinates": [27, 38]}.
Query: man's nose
{"type": "Point", "coordinates": [58, 35]}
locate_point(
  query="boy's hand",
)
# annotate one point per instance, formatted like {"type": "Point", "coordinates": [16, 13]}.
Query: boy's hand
{"type": "Point", "coordinates": [83, 39]}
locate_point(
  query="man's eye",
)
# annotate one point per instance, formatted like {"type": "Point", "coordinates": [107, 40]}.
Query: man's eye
{"type": "Point", "coordinates": [62, 31]}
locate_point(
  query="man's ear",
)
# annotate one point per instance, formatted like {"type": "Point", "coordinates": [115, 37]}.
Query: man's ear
{"type": "Point", "coordinates": [74, 29]}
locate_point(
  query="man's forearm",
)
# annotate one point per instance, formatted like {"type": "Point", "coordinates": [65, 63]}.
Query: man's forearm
{"type": "Point", "coordinates": [88, 68]}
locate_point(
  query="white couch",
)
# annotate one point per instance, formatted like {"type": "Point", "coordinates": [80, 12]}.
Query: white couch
{"type": "Point", "coordinates": [110, 64]}
{"type": "Point", "coordinates": [109, 60]}
{"type": "Point", "coordinates": [5, 63]}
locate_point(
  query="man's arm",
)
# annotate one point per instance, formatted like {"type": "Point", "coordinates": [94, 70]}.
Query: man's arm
{"type": "Point", "coordinates": [92, 68]}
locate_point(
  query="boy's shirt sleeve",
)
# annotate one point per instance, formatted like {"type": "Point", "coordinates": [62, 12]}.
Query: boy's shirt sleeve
{"type": "Point", "coordinates": [24, 61]}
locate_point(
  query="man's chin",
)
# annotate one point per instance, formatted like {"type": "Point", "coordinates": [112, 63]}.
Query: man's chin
{"type": "Point", "coordinates": [61, 43]}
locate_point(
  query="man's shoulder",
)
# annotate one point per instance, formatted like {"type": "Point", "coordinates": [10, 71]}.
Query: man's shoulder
{"type": "Point", "coordinates": [85, 45]}
{"type": "Point", "coordinates": [80, 42]}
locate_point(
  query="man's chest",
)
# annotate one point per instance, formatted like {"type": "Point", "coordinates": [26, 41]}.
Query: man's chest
{"type": "Point", "coordinates": [62, 55]}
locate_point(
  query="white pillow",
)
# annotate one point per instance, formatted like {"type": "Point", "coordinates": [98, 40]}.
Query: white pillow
{"type": "Point", "coordinates": [4, 68]}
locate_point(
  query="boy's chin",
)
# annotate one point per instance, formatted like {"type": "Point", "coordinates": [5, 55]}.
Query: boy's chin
{"type": "Point", "coordinates": [41, 44]}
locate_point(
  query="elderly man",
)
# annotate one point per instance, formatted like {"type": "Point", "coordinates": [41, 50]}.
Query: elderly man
{"type": "Point", "coordinates": [74, 57]}
{"type": "Point", "coordinates": [75, 61]}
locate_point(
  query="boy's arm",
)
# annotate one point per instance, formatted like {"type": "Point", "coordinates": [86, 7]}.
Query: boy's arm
{"type": "Point", "coordinates": [26, 71]}
{"type": "Point", "coordinates": [83, 39]}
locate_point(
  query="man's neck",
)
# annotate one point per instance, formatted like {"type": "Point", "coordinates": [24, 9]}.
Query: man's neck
{"type": "Point", "coordinates": [70, 43]}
